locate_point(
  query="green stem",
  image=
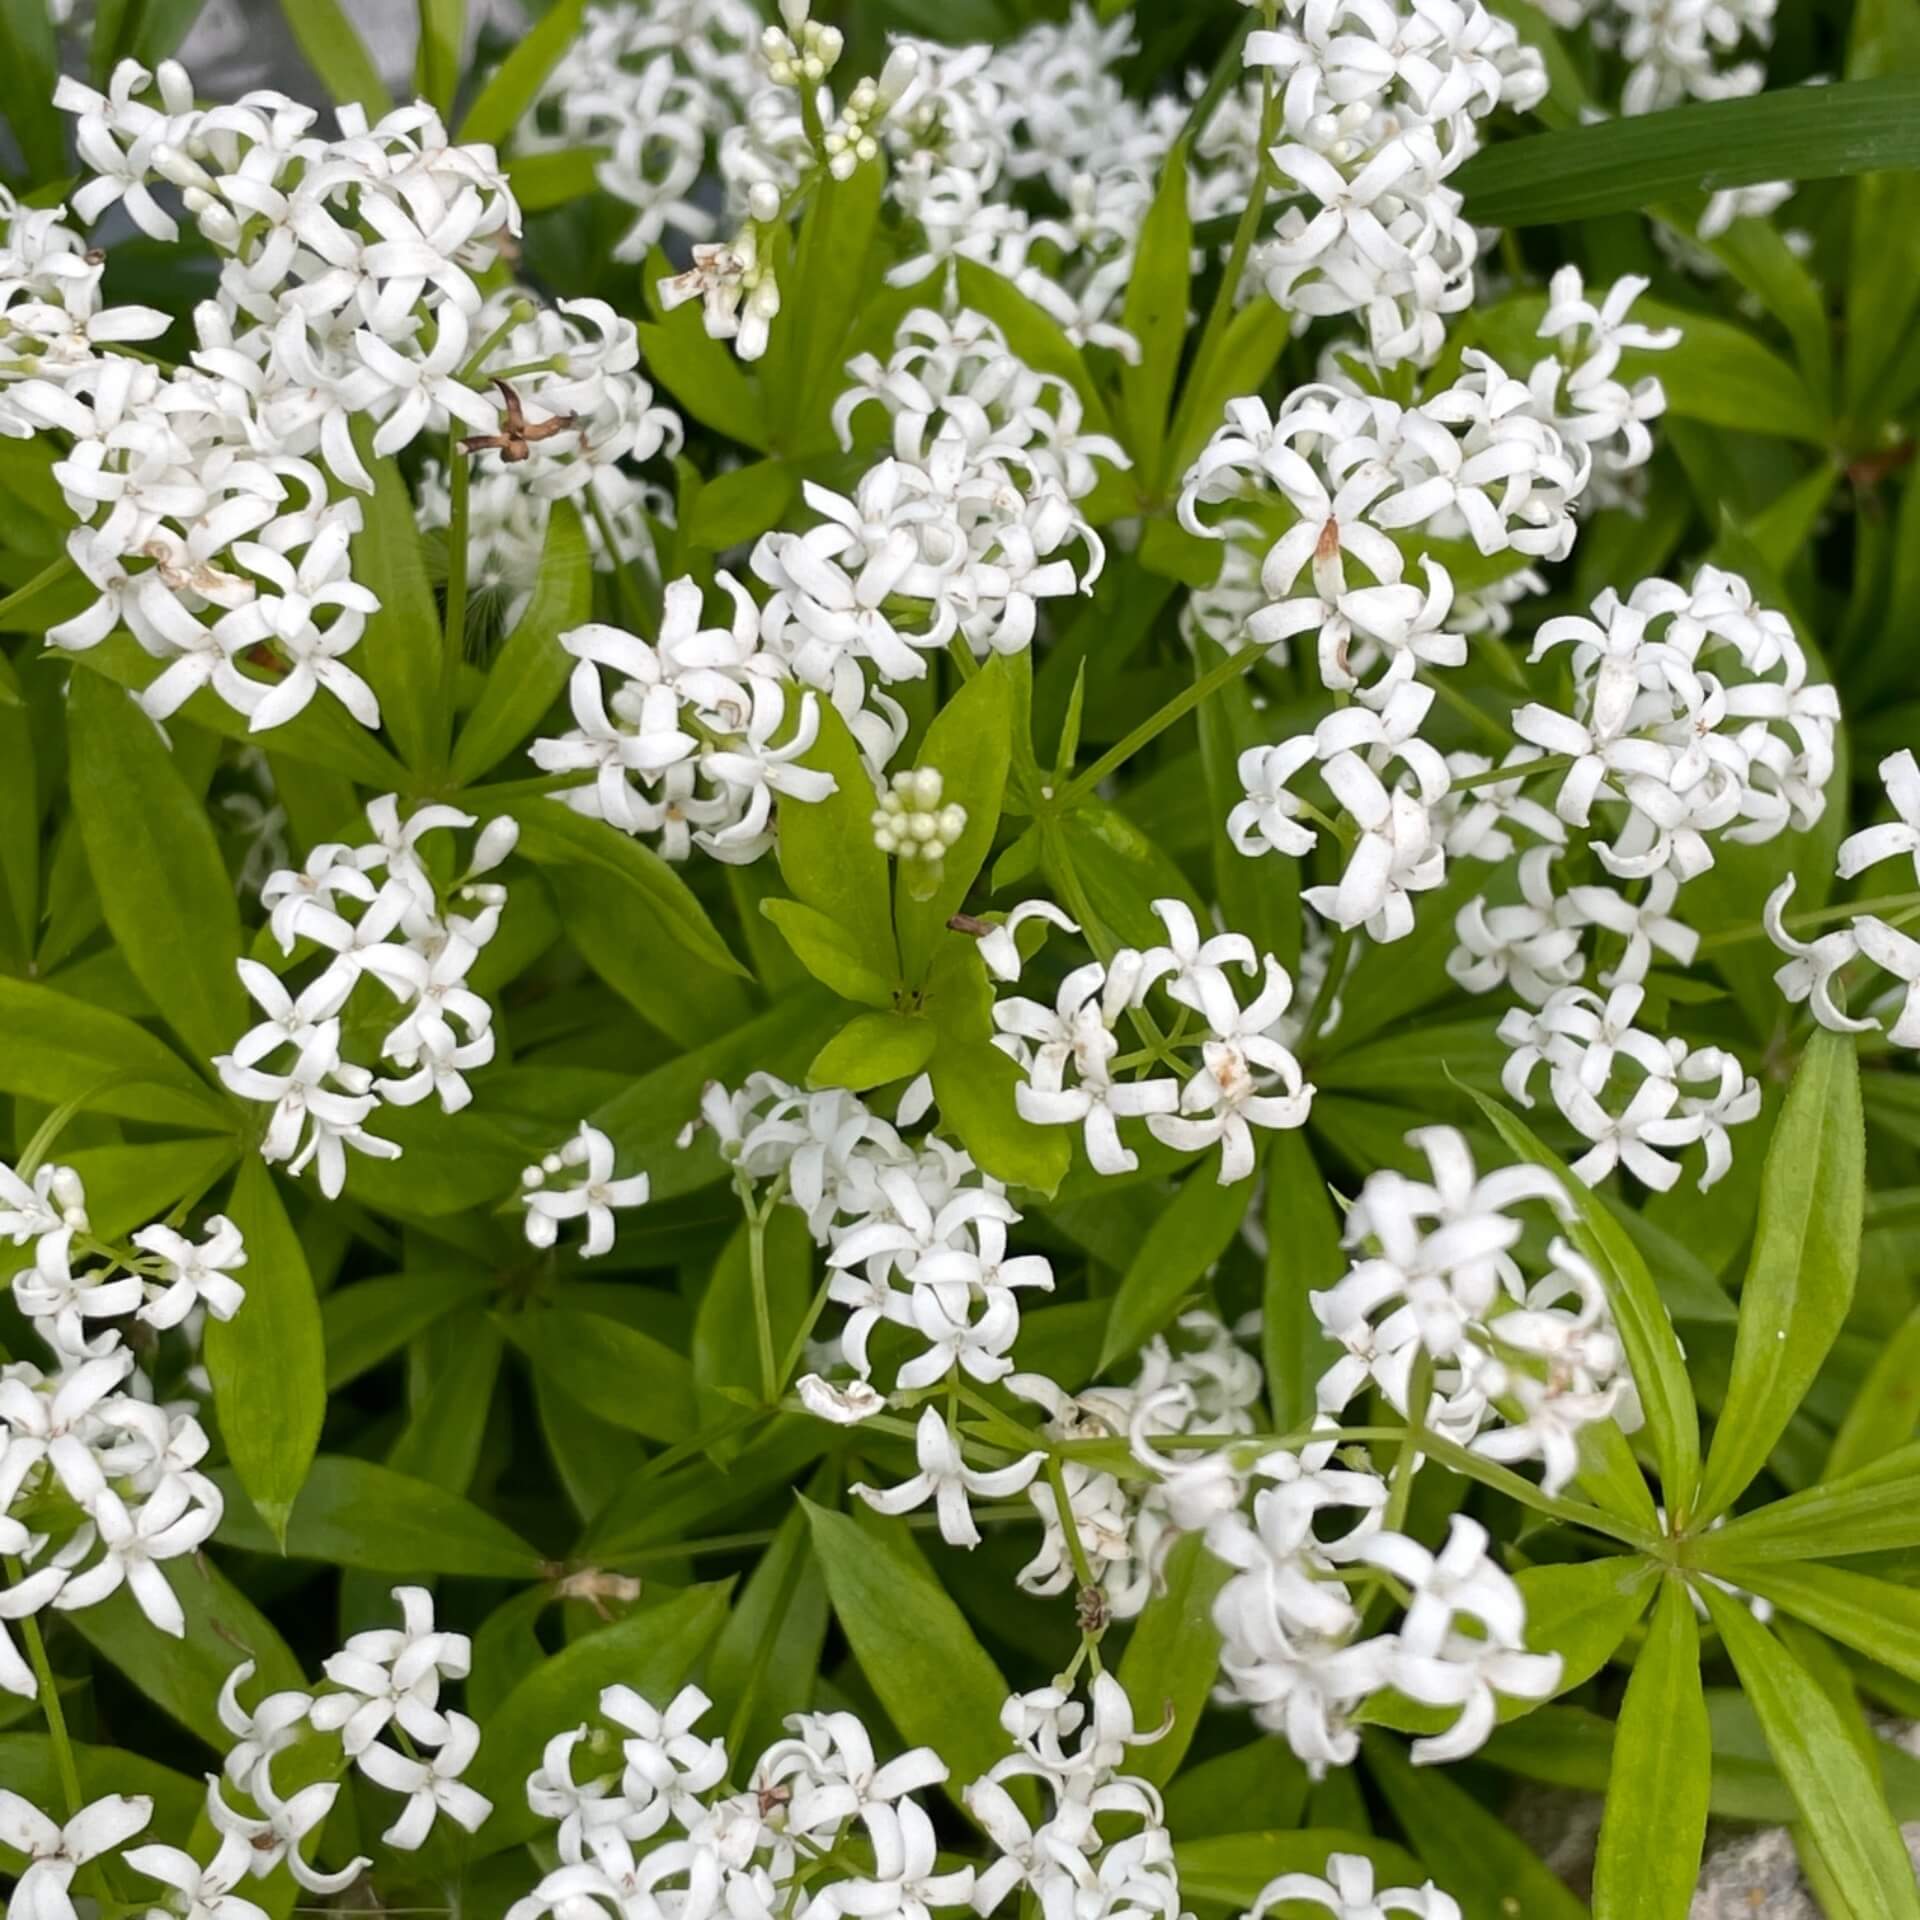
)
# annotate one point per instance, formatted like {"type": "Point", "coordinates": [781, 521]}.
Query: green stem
{"type": "Point", "coordinates": [1082, 1566]}
{"type": "Point", "coordinates": [1499, 776]}
{"type": "Point", "coordinates": [803, 1333]}
{"type": "Point", "coordinates": [517, 316]}
{"type": "Point", "coordinates": [1155, 724]}
{"type": "Point", "coordinates": [50, 1708]}
{"type": "Point", "coordinates": [1219, 83]}
{"type": "Point", "coordinates": [1883, 903]}
{"type": "Point", "coordinates": [1465, 708]}
{"type": "Point", "coordinates": [52, 572]}
{"type": "Point", "coordinates": [1329, 988]}
{"type": "Point", "coordinates": [459, 475]}
{"type": "Point", "coordinates": [623, 579]}
{"type": "Point", "coordinates": [757, 1273]}
{"type": "Point", "coordinates": [1221, 313]}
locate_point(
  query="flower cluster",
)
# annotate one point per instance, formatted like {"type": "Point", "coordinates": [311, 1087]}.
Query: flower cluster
{"type": "Point", "coordinates": [1200, 1381]}
{"type": "Point", "coordinates": [647, 1823]}
{"type": "Point", "coordinates": [653, 88]}
{"type": "Point", "coordinates": [1814, 966]}
{"type": "Point", "coordinates": [1103, 1851]}
{"type": "Point", "coordinates": [915, 1234]}
{"type": "Point", "coordinates": [1348, 1893]}
{"type": "Point", "coordinates": [967, 527]}
{"type": "Point", "coordinates": [387, 1679]}
{"type": "Point", "coordinates": [379, 914]}
{"type": "Point", "coordinates": [100, 1482]}
{"type": "Point", "coordinates": [209, 521]}
{"type": "Point", "coordinates": [700, 732]}
{"type": "Point", "coordinates": [573, 416]}
{"type": "Point", "coordinates": [1069, 1053]}
{"type": "Point", "coordinates": [1378, 107]}
{"type": "Point", "coordinates": [1519, 1366]}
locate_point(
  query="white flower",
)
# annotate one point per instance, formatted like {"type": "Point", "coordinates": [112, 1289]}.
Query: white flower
{"type": "Point", "coordinates": [595, 1197]}
{"type": "Point", "coordinates": [196, 1274]}
{"type": "Point", "coordinates": [1901, 775]}
{"type": "Point", "coordinates": [1348, 1893]}
{"type": "Point", "coordinates": [199, 1893]}
{"type": "Point", "coordinates": [947, 1480]}
{"type": "Point", "coordinates": [389, 1674]}
{"type": "Point", "coordinates": [54, 1853]}
{"type": "Point", "coordinates": [432, 1786]}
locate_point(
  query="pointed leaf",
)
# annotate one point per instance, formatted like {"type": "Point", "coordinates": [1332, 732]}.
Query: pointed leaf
{"type": "Point", "coordinates": [1169, 1666]}
{"type": "Point", "coordinates": [827, 852]}
{"type": "Point", "coordinates": [1188, 1237]}
{"type": "Point", "coordinates": [517, 80]}
{"type": "Point", "coordinates": [1646, 1330]}
{"type": "Point", "coordinates": [1656, 1813]}
{"type": "Point", "coordinates": [1304, 1256]}
{"type": "Point", "coordinates": [1806, 1251]}
{"type": "Point", "coordinates": [268, 1363]}
{"type": "Point", "coordinates": [1838, 1794]}
{"type": "Point", "coordinates": [156, 865]}
{"type": "Point", "coordinates": [531, 666]}
{"type": "Point", "coordinates": [613, 1370]}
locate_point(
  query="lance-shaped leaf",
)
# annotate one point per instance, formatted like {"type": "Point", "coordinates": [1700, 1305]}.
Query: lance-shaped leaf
{"type": "Point", "coordinates": [1806, 1251]}
{"type": "Point", "coordinates": [1656, 1812]}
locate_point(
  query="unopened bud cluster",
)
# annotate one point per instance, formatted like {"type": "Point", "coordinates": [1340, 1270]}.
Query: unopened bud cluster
{"type": "Point", "coordinates": [804, 52]}
{"type": "Point", "coordinates": [911, 822]}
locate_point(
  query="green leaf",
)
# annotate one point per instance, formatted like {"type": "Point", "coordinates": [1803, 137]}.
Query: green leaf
{"type": "Point", "coordinates": [974, 1082]}
{"type": "Point", "coordinates": [1721, 374]}
{"type": "Point", "coordinates": [541, 181]}
{"type": "Point", "coordinates": [971, 743]}
{"type": "Point", "coordinates": [915, 1649]}
{"type": "Point", "coordinates": [826, 848]}
{"type": "Point", "coordinates": [1646, 1331]}
{"type": "Point", "coordinates": [553, 835]}
{"type": "Point", "coordinates": [1874, 1509]}
{"type": "Point", "coordinates": [1304, 1256]}
{"type": "Point", "coordinates": [354, 1513]}
{"type": "Point", "coordinates": [1884, 1410]}
{"type": "Point", "coordinates": [1838, 1794]}
{"type": "Point", "coordinates": [183, 1677]}
{"type": "Point", "coordinates": [443, 32]}
{"type": "Point", "coordinates": [162, 884]}
{"type": "Point", "coordinates": [1248, 352]}
{"type": "Point", "coordinates": [268, 1363]}
{"type": "Point", "coordinates": [372, 1320]}
{"type": "Point", "coordinates": [31, 1768]}
{"type": "Point", "coordinates": [55, 1049]}
{"type": "Point", "coordinates": [517, 80]}
{"type": "Point", "coordinates": [1806, 1251]}
{"type": "Point", "coordinates": [323, 735]}
{"type": "Point", "coordinates": [1582, 1611]}
{"type": "Point", "coordinates": [1155, 313]}
{"type": "Point", "coordinates": [644, 1119]}
{"type": "Point", "coordinates": [829, 952]}
{"type": "Point", "coordinates": [1122, 872]}
{"type": "Point", "coordinates": [613, 1370]}
{"type": "Point", "coordinates": [805, 354]}
{"type": "Point", "coordinates": [1874, 1617]}
{"type": "Point", "coordinates": [400, 652]}
{"type": "Point", "coordinates": [733, 508]}
{"type": "Point", "coordinates": [1656, 1812]}
{"type": "Point", "coordinates": [652, 1651]}
{"type": "Point", "coordinates": [631, 948]}
{"type": "Point", "coordinates": [1186, 1239]}
{"type": "Point", "coordinates": [1231, 1870]}
{"type": "Point", "coordinates": [873, 1049]}
{"type": "Point", "coordinates": [30, 44]}
{"type": "Point", "coordinates": [1169, 1665]}
{"type": "Point", "coordinates": [531, 666]}
{"type": "Point", "coordinates": [330, 46]}
{"type": "Point", "coordinates": [767, 1657]}
{"type": "Point", "coordinates": [1620, 166]}
{"type": "Point", "coordinates": [1477, 1858]}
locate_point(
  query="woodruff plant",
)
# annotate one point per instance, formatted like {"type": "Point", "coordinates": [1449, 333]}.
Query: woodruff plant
{"type": "Point", "coordinates": [961, 914]}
